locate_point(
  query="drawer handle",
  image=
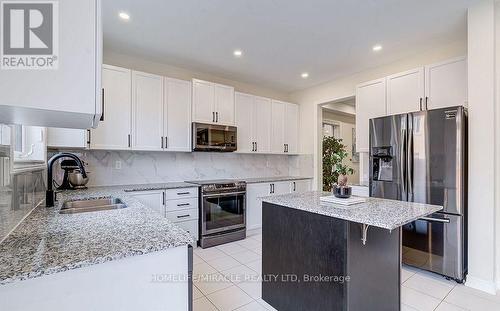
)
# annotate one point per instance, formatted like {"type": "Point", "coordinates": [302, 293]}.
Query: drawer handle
{"type": "Point", "coordinates": [182, 193]}
{"type": "Point", "coordinates": [183, 204]}
{"type": "Point", "coordinates": [183, 216]}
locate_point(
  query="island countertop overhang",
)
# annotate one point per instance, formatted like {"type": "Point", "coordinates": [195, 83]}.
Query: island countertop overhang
{"type": "Point", "coordinates": [381, 213]}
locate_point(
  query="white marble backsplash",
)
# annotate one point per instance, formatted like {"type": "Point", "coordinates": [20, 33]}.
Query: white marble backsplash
{"type": "Point", "coordinates": [138, 167]}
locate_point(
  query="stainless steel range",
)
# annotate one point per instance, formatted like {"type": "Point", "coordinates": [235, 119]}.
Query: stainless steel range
{"type": "Point", "coordinates": [222, 211]}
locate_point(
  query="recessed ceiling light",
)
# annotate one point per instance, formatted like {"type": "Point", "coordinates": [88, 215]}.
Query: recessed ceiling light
{"type": "Point", "coordinates": [124, 16]}
{"type": "Point", "coordinates": [237, 53]}
{"type": "Point", "coordinates": [377, 48]}
{"type": "Point", "coordinates": [305, 75]}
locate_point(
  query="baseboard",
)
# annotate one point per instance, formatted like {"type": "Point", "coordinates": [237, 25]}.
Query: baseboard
{"type": "Point", "coordinates": [254, 231]}
{"type": "Point", "coordinates": [483, 285]}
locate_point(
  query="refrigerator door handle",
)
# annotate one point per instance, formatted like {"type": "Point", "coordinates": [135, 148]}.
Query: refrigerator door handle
{"type": "Point", "coordinates": [402, 153]}
{"type": "Point", "coordinates": [442, 220]}
{"type": "Point", "coordinates": [409, 158]}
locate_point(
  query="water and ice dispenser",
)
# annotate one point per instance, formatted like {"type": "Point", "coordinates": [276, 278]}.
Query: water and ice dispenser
{"type": "Point", "coordinates": [382, 163]}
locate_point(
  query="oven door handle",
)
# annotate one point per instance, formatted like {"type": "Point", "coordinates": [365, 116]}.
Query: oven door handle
{"type": "Point", "coordinates": [225, 194]}
{"type": "Point", "coordinates": [443, 220]}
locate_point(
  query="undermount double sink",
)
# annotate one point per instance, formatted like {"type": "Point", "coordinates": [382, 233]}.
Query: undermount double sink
{"type": "Point", "coordinates": [91, 205]}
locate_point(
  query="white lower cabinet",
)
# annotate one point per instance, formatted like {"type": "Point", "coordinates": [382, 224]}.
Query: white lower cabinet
{"type": "Point", "coordinates": [361, 191]}
{"type": "Point", "coordinates": [191, 226]}
{"type": "Point", "coordinates": [180, 206]}
{"type": "Point", "coordinates": [66, 138]}
{"type": "Point", "coordinates": [183, 210]}
{"type": "Point", "coordinates": [256, 191]}
{"type": "Point", "coordinates": [298, 186]}
{"type": "Point", "coordinates": [152, 199]}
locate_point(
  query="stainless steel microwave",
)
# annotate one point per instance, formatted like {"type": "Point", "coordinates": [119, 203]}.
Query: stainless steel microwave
{"type": "Point", "coordinates": [210, 137]}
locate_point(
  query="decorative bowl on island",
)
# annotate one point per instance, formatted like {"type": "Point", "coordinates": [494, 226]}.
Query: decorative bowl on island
{"type": "Point", "coordinates": [342, 192]}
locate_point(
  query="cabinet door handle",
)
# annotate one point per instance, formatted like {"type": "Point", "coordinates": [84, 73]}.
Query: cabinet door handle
{"type": "Point", "coordinates": [183, 216]}
{"type": "Point", "coordinates": [102, 103]}
{"type": "Point", "coordinates": [426, 100]}
{"type": "Point", "coordinates": [163, 197]}
{"type": "Point", "coordinates": [213, 116]}
{"type": "Point", "coordinates": [253, 146]}
{"type": "Point", "coordinates": [270, 188]}
{"type": "Point", "coordinates": [182, 193]}
{"type": "Point", "coordinates": [166, 142]}
{"type": "Point", "coordinates": [183, 204]}
{"type": "Point", "coordinates": [129, 140]}
{"type": "Point", "coordinates": [162, 142]}
{"type": "Point", "coordinates": [256, 148]}
{"type": "Point", "coordinates": [216, 117]}
{"type": "Point", "coordinates": [420, 103]}
{"type": "Point", "coordinates": [294, 187]}
{"type": "Point", "coordinates": [88, 138]}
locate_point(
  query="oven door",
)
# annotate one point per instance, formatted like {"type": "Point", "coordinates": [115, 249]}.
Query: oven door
{"type": "Point", "coordinates": [435, 243]}
{"type": "Point", "coordinates": [223, 212]}
{"type": "Point", "coordinates": [209, 137]}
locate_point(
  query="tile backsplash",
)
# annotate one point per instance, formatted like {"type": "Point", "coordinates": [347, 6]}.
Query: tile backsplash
{"type": "Point", "coordinates": [135, 167]}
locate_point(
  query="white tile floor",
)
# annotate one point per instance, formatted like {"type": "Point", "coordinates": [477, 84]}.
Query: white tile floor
{"type": "Point", "coordinates": [225, 279]}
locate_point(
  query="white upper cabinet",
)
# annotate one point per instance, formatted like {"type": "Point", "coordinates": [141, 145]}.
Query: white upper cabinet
{"type": "Point", "coordinates": [291, 128]}
{"type": "Point", "coordinates": [405, 91]}
{"type": "Point", "coordinates": [278, 126]}
{"type": "Point", "coordinates": [203, 101]}
{"type": "Point", "coordinates": [147, 111]}
{"type": "Point", "coordinates": [5, 134]}
{"type": "Point", "coordinates": [66, 138]}
{"type": "Point", "coordinates": [177, 115]}
{"type": "Point", "coordinates": [114, 129]}
{"type": "Point", "coordinates": [253, 119]}
{"type": "Point", "coordinates": [224, 104]}
{"type": "Point", "coordinates": [213, 103]}
{"type": "Point", "coordinates": [370, 103]}
{"type": "Point", "coordinates": [285, 127]}
{"type": "Point", "coordinates": [446, 84]}
{"type": "Point", "coordinates": [68, 95]}
{"type": "Point", "coordinates": [262, 120]}
{"type": "Point", "coordinates": [244, 110]}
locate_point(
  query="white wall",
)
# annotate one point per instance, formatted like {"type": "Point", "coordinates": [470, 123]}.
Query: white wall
{"type": "Point", "coordinates": [481, 84]}
{"type": "Point", "coordinates": [121, 60]}
{"type": "Point", "coordinates": [344, 88]}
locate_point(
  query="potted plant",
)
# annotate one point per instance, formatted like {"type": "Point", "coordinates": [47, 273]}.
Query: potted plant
{"type": "Point", "coordinates": [334, 170]}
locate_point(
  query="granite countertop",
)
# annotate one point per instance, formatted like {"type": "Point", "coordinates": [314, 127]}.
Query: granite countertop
{"type": "Point", "coordinates": [256, 180]}
{"type": "Point", "coordinates": [157, 186]}
{"type": "Point", "coordinates": [47, 242]}
{"type": "Point", "coordinates": [382, 213]}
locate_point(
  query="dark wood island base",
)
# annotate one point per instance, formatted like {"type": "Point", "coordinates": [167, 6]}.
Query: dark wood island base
{"type": "Point", "coordinates": [317, 262]}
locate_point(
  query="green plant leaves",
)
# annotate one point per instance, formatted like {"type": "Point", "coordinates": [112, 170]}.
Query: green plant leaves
{"type": "Point", "coordinates": [334, 153]}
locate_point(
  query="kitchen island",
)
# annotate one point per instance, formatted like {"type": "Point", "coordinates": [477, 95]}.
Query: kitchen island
{"type": "Point", "coordinates": [324, 256]}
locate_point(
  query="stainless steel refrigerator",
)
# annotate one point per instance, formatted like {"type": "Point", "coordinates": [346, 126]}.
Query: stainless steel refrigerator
{"type": "Point", "coordinates": [422, 157]}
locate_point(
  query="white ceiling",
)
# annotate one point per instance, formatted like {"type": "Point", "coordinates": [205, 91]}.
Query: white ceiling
{"type": "Point", "coordinates": [281, 39]}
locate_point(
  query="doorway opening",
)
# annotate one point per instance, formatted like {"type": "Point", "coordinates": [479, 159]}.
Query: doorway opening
{"type": "Point", "coordinates": [338, 121]}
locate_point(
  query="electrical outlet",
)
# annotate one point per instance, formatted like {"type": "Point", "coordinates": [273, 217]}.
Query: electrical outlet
{"type": "Point", "coordinates": [118, 165]}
